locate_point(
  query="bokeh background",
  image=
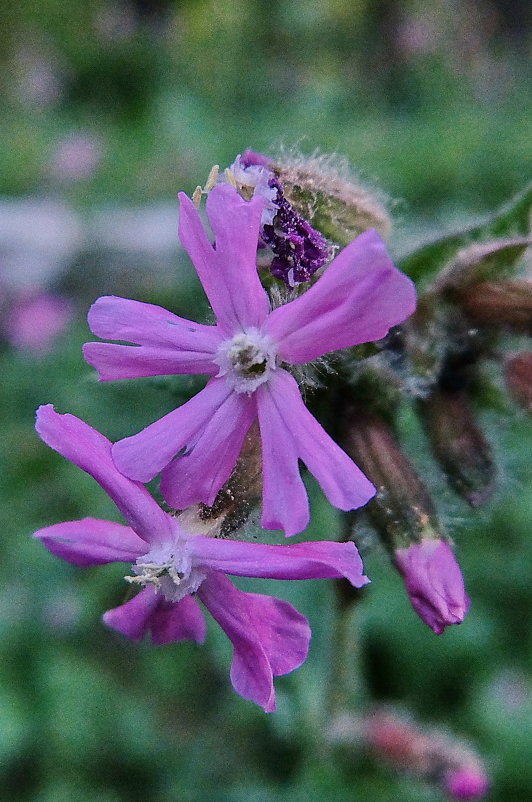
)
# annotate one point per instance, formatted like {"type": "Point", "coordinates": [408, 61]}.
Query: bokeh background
{"type": "Point", "coordinates": [110, 108]}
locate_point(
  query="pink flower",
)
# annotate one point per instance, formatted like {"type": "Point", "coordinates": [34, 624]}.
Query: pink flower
{"type": "Point", "coordinates": [358, 298]}
{"type": "Point", "coordinates": [35, 321]}
{"type": "Point", "coordinates": [175, 568]}
{"type": "Point", "coordinates": [434, 583]}
{"type": "Point", "coordinates": [76, 157]}
{"type": "Point", "coordinates": [469, 783]}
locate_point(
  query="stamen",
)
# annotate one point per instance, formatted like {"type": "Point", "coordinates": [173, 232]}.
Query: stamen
{"type": "Point", "coordinates": [246, 360]}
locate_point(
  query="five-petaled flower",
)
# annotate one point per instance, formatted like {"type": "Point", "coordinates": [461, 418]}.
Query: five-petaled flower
{"type": "Point", "coordinates": [357, 299]}
{"type": "Point", "coordinates": [269, 636]}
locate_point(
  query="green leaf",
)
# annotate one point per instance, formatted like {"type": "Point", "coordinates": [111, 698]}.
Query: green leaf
{"type": "Point", "coordinates": [513, 220]}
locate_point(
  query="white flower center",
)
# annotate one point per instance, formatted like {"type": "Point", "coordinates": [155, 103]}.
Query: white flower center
{"type": "Point", "coordinates": [171, 572]}
{"type": "Point", "coordinates": [246, 360]}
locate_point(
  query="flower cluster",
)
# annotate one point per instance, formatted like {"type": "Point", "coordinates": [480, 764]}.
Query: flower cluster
{"type": "Point", "coordinates": [247, 354]}
{"type": "Point", "coordinates": [251, 356]}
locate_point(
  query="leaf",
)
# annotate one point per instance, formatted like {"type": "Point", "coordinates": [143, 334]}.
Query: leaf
{"type": "Point", "coordinates": [513, 220]}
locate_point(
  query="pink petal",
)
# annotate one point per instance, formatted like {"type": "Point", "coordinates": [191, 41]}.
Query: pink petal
{"type": "Point", "coordinates": [115, 362]}
{"type": "Point", "coordinates": [358, 299]}
{"type": "Point", "coordinates": [343, 483]}
{"type": "Point", "coordinates": [284, 497]}
{"type": "Point", "coordinates": [175, 622]}
{"type": "Point", "coordinates": [91, 451]}
{"type": "Point", "coordinates": [228, 272]}
{"type": "Point", "coordinates": [113, 318]}
{"type": "Point", "coordinates": [167, 621]}
{"type": "Point", "coordinates": [92, 542]}
{"type": "Point", "coordinates": [132, 619]}
{"type": "Point", "coordinates": [199, 474]}
{"type": "Point", "coordinates": [145, 454]}
{"type": "Point", "coordinates": [235, 224]}
{"type": "Point", "coordinates": [269, 637]}
{"type": "Point", "coordinates": [168, 344]}
{"type": "Point", "coordinates": [434, 583]}
{"type": "Point", "coordinates": [319, 560]}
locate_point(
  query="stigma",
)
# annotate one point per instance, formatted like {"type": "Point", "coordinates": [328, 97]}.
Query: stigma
{"type": "Point", "coordinates": [171, 572]}
{"type": "Point", "coordinates": [246, 360]}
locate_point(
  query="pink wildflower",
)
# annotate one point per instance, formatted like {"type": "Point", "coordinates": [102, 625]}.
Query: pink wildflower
{"type": "Point", "coordinates": [467, 783]}
{"type": "Point", "coordinates": [434, 583]}
{"type": "Point", "coordinates": [174, 567]}
{"type": "Point", "coordinates": [35, 321]}
{"type": "Point", "coordinates": [358, 298]}
{"type": "Point", "coordinates": [76, 157]}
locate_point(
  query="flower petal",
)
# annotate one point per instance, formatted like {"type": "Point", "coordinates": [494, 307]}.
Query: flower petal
{"type": "Point", "coordinates": [168, 344]}
{"type": "Point", "coordinates": [92, 542]}
{"type": "Point", "coordinates": [269, 637]}
{"type": "Point", "coordinates": [229, 271]}
{"type": "Point", "coordinates": [343, 483]}
{"type": "Point", "coordinates": [318, 560]}
{"type": "Point", "coordinates": [91, 451]}
{"type": "Point", "coordinates": [358, 299]}
{"type": "Point", "coordinates": [434, 583]}
{"type": "Point", "coordinates": [114, 318]}
{"type": "Point", "coordinates": [145, 454]}
{"type": "Point", "coordinates": [175, 622]}
{"type": "Point", "coordinates": [132, 619]}
{"type": "Point", "coordinates": [115, 362]}
{"type": "Point", "coordinates": [168, 622]}
{"type": "Point", "coordinates": [199, 474]}
{"type": "Point", "coordinates": [284, 496]}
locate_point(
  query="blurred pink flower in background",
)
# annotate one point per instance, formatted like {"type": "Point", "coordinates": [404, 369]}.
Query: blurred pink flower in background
{"type": "Point", "coordinates": [34, 321]}
{"type": "Point", "coordinates": [38, 78]}
{"type": "Point", "coordinates": [76, 157]}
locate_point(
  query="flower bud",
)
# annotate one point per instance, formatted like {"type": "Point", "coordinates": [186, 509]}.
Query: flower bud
{"type": "Point", "coordinates": [402, 510]}
{"type": "Point", "coordinates": [479, 262]}
{"type": "Point", "coordinates": [294, 249]}
{"type": "Point", "coordinates": [434, 583]}
{"type": "Point", "coordinates": [458, 444]}
{"type": "Point", "coordinates": [501, 304]}
{"type": "Point", "coordinates": [404, 516]}
{"type": "Point", "coordinates": [323, 189]}
{"type": "Point", "coordinates": [518, 377]}
{"type": "Point", "coordinates": [430, 755]}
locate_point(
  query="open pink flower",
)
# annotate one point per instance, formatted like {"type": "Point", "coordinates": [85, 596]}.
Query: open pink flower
{"type": "Point", "coordinates": [358, 298]}
{"type": "Point", "coordinates": [175, 568]}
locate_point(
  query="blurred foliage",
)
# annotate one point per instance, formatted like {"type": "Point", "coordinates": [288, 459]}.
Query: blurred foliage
{"type": "Point", "coordinates": [429, 98]}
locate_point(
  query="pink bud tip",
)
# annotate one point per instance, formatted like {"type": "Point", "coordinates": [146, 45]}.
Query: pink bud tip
{"type": "Point", "coordinates": [434, 583]}
{"type": "Point", "coordinates": [467, 783]}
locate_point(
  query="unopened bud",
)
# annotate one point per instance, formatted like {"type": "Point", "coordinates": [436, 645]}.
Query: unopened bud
{"type": "Point", "coordinates": [323, 189]}
{"type": "Point", "coordinates": [404, 516]}
{"type": "Point", "coordinates": [458, 444]}
{"type": "Point", "coordinates": [402, 510]}
{"type": "Point", "coordinates": [434, 583]}
{"type": "Point", "coordinates": [295, 250]}
{"type": "Point", "coordinates": [479, 262]}
{"type": "Point", "coordinates": [518, 377]}
{"type": "Point", "coordinates": [501, 304]}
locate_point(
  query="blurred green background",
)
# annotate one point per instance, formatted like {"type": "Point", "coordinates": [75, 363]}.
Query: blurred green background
{"type": "Point", "coordinates": [110, 108]}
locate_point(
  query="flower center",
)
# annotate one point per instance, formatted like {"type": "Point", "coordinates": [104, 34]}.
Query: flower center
{"type": "Point", "coordinates": [246, 360]}
{"type": "Point", "coordinates": [171, 573]}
